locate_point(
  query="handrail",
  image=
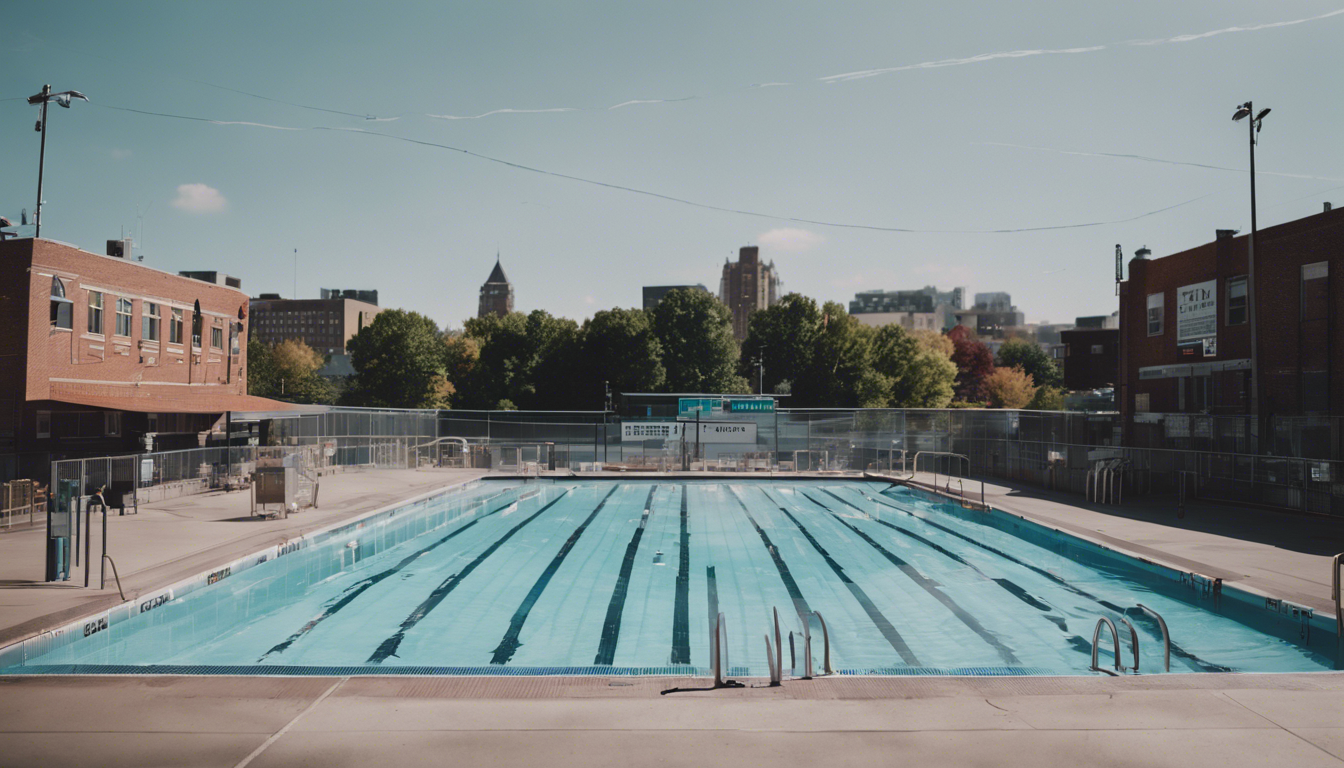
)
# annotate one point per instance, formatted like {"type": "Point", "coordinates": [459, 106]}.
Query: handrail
{"type": "Point", "coordinates": [716, 652]}
{"type": "Point", "coordinates": [826, 645]}
{"type": "Point", "coordinates": [1115, 640]}
{"type": "Point", "coordinates": [914, 470]}
{"type": "Point", "coordinates": [115, 575]}
{"type": "Point", "coordinates": [1334, 592]}
{"type": "Point", "coordinates": [1133, 641]}
{"type": "Point", "coordinates": [807, 646]}
{"type": "Point", "coordinates": [1166, 637]}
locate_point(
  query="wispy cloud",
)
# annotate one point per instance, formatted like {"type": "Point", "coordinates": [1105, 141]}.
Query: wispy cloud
{"type": "Point", "coordinates": [502, 112]}
{"type": "Point", "coordinates": [199, 198]}
{"type": "Point", "coordinates": [980, 58]}
{"type": "Point", "coordinates": [255, 125]}
{"type": "Point", "coordinates": [1229, 30]}
{"type": "Point", "coordinates": [792, 239]}
{"type": "Point", "coordinates": [649, 101]}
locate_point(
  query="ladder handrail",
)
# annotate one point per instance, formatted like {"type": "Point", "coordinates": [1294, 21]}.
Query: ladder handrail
{"type": "Point", "coordinates": [1133, 641]}
{"type": "Point", "coordinates": [826, 645]}
{"type": "Point", "coordinates": [716, 651]}
{"type": "Point", "coordinates": [1115, 640]}
{"type": "Point", "coordinates": [1166, 637]}
{"type": "Point", "coordinates": [1335, 592]}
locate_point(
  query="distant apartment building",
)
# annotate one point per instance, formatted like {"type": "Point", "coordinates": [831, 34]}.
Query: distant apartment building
{"type": "Point", "coordinates": [910, 321]}
{"type": "Point", "coordinates": [366, 296]}
{"type": "Point", "coordinates": [1098, 321]}
{"type": "Point", "coordinates": [655, 293]}
{"type": "Point", "coordinates": [210, 276]}
{"type": "Point", "coordinates": [996, 301]}
{"type": "Point", "coordinates": [747, 286]}
{"type": "Point", "coordinates": [325, 324]}
{"type": "Point", "coordinates": [496, 293]}
{"type": "Point", "coordinates": [992, 317]}
{"type": "Point", "coordinates": [103, 355]}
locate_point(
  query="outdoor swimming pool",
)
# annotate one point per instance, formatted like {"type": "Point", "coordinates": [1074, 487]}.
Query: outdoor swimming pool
{"type": "Point", "coordinates": [542, 577]}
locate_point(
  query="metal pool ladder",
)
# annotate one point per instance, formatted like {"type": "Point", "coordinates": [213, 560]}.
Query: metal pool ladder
{"type": "Point", "coordinates": [1334, 593]}
{"type": "Point", "coordinates": [1166, 636]}
{"type": "Point", "coordinates": [1115, 642]}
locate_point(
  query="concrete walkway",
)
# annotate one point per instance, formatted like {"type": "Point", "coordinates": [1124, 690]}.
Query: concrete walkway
{"type": "Point", "coordinates": [174, 539]}
{"type": "Point", "coordinates": [1285, 554]}
{"type": "Point", "coordinates": [1175, 720]}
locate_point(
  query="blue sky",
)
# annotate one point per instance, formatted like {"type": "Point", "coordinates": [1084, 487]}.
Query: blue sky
{"type": "Point", "coordinates": [896, 146]}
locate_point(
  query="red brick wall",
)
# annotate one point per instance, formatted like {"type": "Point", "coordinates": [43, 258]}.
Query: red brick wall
{"type": "Point", "coordinates": [75, 363]}
{"type": "Point", "coordinates": [1281, 251]}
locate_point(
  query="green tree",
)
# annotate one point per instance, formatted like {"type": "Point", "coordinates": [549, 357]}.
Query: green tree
{"type": "Point", "coordinates": [514, 351]}
{"type": "Point", "coordinates": [288, 371]}
{"type": "Point", "coordinates": [1027, 355]}
{"type": "Point", "coordinates": [783, 337]}
{"type": "Point", "coordinates": [919, 366]}
{"type": "Point", "coordinates": [840, 357]}
{"type": "Point", "coordinates": [695, 333]}
{"type": "Point", "coordinates": [621, 350]}
{"type": "Point", "coordinates": [1047, 399]}
{"type": "Point", "coordinates": [399, 363]}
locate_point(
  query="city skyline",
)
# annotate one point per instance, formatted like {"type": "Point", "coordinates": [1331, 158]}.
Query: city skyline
{"type": "Point", "coordinates": [1003, 117]}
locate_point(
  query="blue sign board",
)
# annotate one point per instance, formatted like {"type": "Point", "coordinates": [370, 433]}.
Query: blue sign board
{"type": "Point", "coordinates": [689, 406]}
{"type": "Point", "coordinates": [752, 406]}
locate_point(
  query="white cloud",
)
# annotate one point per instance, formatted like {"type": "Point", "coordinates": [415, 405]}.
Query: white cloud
{"type": "Point", "coordinates": [120, 154]}
{"type": "Point", "coordinates": [589, 300]}
{"type": "Point", "coordinates": [199, 198]}
{"type": "Point", "coordinates": [790, 239]}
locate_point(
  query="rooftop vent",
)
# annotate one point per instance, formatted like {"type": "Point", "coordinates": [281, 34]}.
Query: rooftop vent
{"type": "Point", "coordinates": [1224, 234]}
{"type": "Point", "coordinates": [1327, 208]}
{"type": "Point", "coordinates": [121, 249]}
{"type": "Point", "coordinates": [1143, 253]}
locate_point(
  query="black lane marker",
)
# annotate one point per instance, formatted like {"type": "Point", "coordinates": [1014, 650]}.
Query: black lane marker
{"type": "Point", "coordinates": [389, 646]}
{"type": "Point", "coordinates": [799, 602]}
{"type": "Point", "coordinates": [928, 585]}
{"type": "Point", "coordinates": [1138, 616]}
{"type": "Point", "coordinates": [359, 589]}
{"type": "Point", "coordinates": [883, 625]}
{"type": "Point", "coordinates": [681, 613]}
{"type": "Point", "coordinates": [611, 627]}
{"type": "Point", "coordinates": [510, 644]}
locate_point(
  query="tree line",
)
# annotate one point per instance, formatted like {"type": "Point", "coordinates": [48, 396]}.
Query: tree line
{"type": "Point", "coordinates": [818, 355]}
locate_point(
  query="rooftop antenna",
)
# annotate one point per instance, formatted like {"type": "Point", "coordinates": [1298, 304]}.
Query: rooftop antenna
{"type": "Point", "coordinates": [1119, 268]}
{"type": "Point", "coordinates": [296, 273]}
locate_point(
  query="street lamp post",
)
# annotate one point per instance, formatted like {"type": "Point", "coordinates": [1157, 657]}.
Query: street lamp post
{"type": "Point", "coordinates": [46, 97]}
{"type": "Point", "coordinates": [1253, 128]}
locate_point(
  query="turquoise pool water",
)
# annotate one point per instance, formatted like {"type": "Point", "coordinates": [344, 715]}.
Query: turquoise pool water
{"type": "Point", "coordinates": [626, 576]}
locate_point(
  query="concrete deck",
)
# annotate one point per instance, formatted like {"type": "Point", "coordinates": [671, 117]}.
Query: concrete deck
{"type": "Point", "coordinates": [174, 539]}
{"type": "Point", "coordinates": [1176, 720]}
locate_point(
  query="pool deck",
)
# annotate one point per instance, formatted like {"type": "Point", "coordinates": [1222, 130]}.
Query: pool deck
{"type": "Point", "coordinates": [1184, 719]}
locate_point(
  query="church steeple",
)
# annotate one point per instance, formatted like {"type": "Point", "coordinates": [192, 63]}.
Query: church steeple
{"type": "Point", "coordinates": [496, 293]}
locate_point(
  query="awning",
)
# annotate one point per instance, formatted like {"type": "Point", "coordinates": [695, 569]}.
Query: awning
{"type": "Point", "coordinates": [150, 398]}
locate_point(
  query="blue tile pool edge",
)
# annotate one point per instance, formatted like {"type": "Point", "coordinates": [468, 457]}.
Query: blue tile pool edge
{"type": "Point", "coordinates": [493, 670]}
{"type": "Point", "coordinates": [19, 654]}
{"type": "Point", "coordinates": [1299, 624]}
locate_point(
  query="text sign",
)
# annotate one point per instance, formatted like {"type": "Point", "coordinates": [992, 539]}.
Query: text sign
{"type": "Point", "coordinates": [689, 406]}
{"type": "Point", "coordinates": [751, 406]}
{"type": "Point", "coordinates": [1197, 311]}
{"type": "Point", "coordinates": [728, 432]}
{"type": "Point", "coordinates": [634, 431]}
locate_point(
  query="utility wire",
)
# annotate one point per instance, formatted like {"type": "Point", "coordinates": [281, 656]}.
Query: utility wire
{"type": "Point", "coordinates": [659, 195]}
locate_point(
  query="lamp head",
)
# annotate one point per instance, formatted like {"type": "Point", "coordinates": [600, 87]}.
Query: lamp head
{"type": "Point", "coordinates": [1241, 113]}
{"type": "Point", "coordinates": [1262, 114]}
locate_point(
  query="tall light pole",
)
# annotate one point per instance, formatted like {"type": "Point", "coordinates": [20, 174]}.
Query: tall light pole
{"type": "Point", "coordinates": [45, 97]}
{"type": "Point", "coordinates": [1253, 128]}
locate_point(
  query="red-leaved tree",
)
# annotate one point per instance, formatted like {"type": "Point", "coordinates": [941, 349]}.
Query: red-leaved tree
{"type": "Point", "coordinates": [974, 362]}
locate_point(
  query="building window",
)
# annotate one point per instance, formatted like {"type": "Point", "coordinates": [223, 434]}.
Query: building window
{"type": "Point", "coordinates": [44, 423]}
{"type": "Point", "coordinates": [1096, 349]}
{"type": "Point", "coordinates": [112, 423]}
{"type": "Point", "coordinates": [175, 327]}
{"type": "Point", "coordinates": [124, 317]}
{"type": "Point", "coordinates": [217, 338]}
{"type": "Point", "coordinates": [62, 309]}
{"type": "Point", "coordinates": [1236, 300]}
{"type": "Point", "coordinates": [149, 324]}
{"type": "Point", "coordinates": [151, 423]}
{"type": "Point", "coordinates": [1155, 314]}
{"type": "Point", "coordinates": [95, 312]}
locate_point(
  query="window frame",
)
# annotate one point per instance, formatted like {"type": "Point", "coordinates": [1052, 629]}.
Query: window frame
{"type": "Point", "coordinates": [95, 319]}
{"type": "Point", "coordinates": [112, 423]}
{"type": "Point", "coordinates": [1161, 313]}
{"type": "Point", "coordinates": [150, 318]}
{"type": "Point", "coordinates": [1244, 307]}
{"type": "Point", "coordinates": [62, 308]}
{"type": "Point", "coordinates": [175, 326]}
{"type": "Point", "coordinates": [217, 337]}
{"type": "Point", "coordinates": [43, 417]}
{"type": "Point", "coordinates": [128, 314]}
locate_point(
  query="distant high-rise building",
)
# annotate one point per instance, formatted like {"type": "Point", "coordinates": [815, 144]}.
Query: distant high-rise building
{"type": "Point", "coordinates": [655, 293]}
{"type": "Point", "coordinates": [746, 286]}
{"type": "Point", "coordinates": [997, 301]}
{"type": "Point", "coordinates": [496, 293]}
{"type": "Point", "coordinates": [926, 299]}
{"type": "Point", "coordinates": [368, 297]}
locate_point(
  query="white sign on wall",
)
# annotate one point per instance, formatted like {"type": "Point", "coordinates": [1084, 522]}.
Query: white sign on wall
{"type": "Point", "coordinates": [1197, 311]}
{"type": "Point", "coordinates": [728, 432]}
{"type": "Point", "coordinates": [634, 431]}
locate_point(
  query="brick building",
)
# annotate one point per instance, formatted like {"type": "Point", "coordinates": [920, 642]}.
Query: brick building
{"type": "Point", "coordinates": [496, 293]}
{"type": "Point", "coordinates": [746, 286]}
{"type": "Point", "coordinates": [99, 352]}
{"type": "Point", "coordinates": [324, 324]}
{"type": "Point", "coordinates": [1185, 341]}
{"type": "Point", "coordinates": [1091, 357]}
